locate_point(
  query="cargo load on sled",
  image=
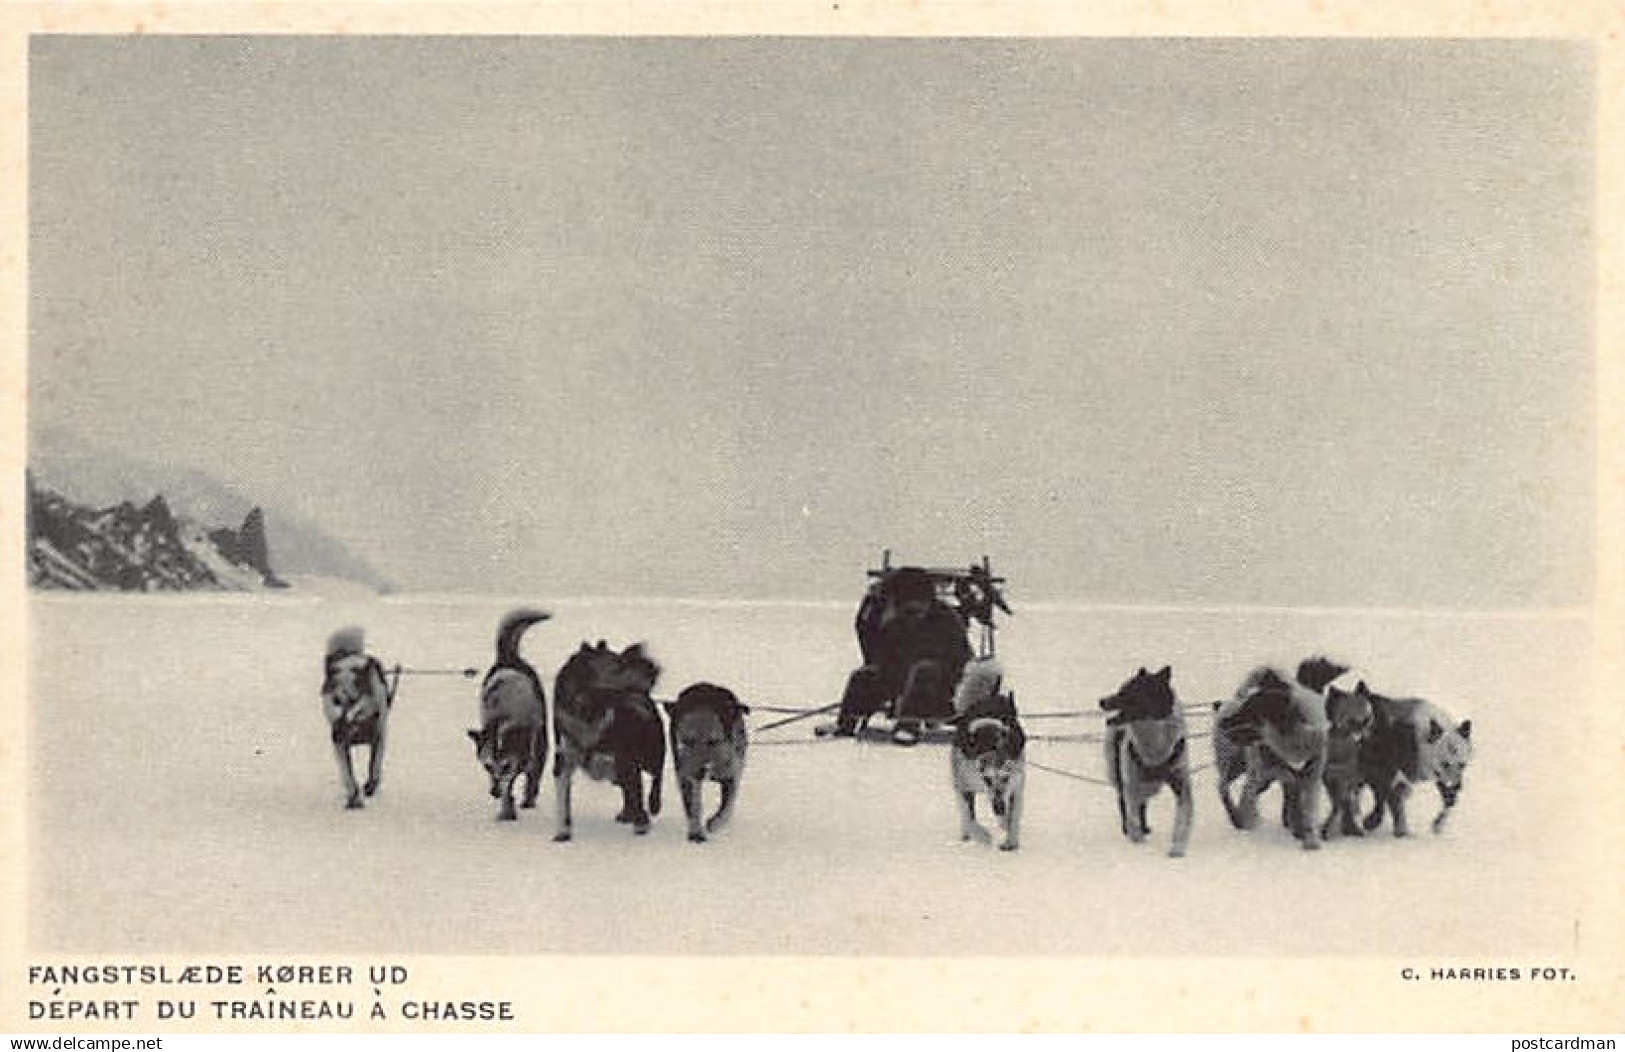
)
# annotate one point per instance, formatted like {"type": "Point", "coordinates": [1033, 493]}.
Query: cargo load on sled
{"type": "Point", "coordinates": [915, 628]}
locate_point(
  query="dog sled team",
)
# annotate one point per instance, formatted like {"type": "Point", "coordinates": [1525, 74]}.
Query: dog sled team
{"type": "Point", "coordinates": [1307, 729]}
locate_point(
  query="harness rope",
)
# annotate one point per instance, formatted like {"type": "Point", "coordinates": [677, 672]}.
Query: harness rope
{"type": "Point", "coordinates": [802, 715]}
{"type": "Point", "coordinates": [795, 715]}
{"type": "Point", "coordinates": [1057, 714]}
{"type": "Point", "coordinates": [1106, 782]}
{"type": "Point", "coordinates": [1067, 774]}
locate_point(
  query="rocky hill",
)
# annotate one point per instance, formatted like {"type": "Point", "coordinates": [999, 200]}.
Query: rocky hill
{"type": "Point", "coordinates": [140, 548]}
{"type": "Point", "coordinates": [97, 476]}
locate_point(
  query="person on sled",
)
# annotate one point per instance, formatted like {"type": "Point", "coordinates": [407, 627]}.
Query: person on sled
{"type": "Point", "coordinates": [914, 650]}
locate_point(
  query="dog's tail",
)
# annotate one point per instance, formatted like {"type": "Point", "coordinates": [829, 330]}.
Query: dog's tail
{"type": "Point", "coordinates": [349, 640]}
{"type": "Point", "coordinates": [511, 629]}
{"type": "Point", "coordinates": [1317, 672]}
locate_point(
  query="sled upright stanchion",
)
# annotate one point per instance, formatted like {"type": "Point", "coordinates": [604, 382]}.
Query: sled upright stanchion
{"type": "Point", "coordinates": [989, 648]}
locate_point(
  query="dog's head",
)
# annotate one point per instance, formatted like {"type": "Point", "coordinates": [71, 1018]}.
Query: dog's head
{"type": "Point", "coordinates": [1350, 712]}
{"type": "Point", "coordinates": [705, 719]}
{"type": "Point", "coordinates": [994, 745]}
{"type": "Point", "coordinates": [1447, 750]}
{"type": "Point", "coordinates": [346, 679]}
{"type": "Point", "coordinates": [353, 687]}
{"type": "Point", "coordinates": [500, 764]}
{"type": "Point", "coordinates": [1143, 696]}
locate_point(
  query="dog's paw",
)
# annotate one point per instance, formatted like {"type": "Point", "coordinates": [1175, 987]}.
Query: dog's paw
{"type": "Point", "coordinates": [641, 828]}
{"type": "Point", "coordinates": [371, 787]}
{"type": "Point", "coordinates": [1010, 845]}
{"type": "Point", "coordinates": [1177, 851]}
{"type": "Point", "coordinates": [562, 838]}
{"type": "Point", "coordinates": [1311, 844]}
{"type": "Point", "coordinates": [696, 837]}
{"type": "Point", "coordinates": [977, 833]}
{"type": "Point", "coordinates": [353, 804]}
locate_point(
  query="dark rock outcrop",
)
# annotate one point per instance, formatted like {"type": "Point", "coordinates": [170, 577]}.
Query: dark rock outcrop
{"type": "Point", "coordinates": [138, 549]}
{"type": "Point", "coordinates": [247, 546]}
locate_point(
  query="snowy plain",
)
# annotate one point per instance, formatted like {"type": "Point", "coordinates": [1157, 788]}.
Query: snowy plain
{"type": "Point", "coordinates": [183, 797]}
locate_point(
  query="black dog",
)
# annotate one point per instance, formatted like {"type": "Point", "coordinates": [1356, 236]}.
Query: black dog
{"type": "Point", "coordinates": [605, 723]}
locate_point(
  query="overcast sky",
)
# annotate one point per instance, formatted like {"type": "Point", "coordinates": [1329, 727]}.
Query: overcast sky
{"type": "Point", "coordinates": [1158, 321]}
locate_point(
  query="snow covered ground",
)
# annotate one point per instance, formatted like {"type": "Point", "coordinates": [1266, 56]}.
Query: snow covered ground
{"type": "Point", "coordinates": [183, 797]}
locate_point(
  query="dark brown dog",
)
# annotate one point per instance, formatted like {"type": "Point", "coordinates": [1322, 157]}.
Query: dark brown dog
{"type": "Point", "coordinates": [605, 723]}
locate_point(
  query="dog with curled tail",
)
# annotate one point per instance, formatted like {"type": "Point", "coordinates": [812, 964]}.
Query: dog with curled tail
{"type": "Point", "coordinates": [988, 755]}
{"type": "Point", "coordinates": [1274, 729]}
{"type": "Point", "coordinates": [356, 700]}
{"type": "Point", "coordinates": [512, 737]}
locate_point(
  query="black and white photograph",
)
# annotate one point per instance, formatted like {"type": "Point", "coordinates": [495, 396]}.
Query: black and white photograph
{"type": "Point", "coordinates": [703, 497]}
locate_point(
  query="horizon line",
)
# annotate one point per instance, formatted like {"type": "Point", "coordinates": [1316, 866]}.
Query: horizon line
{"type": "Point", "coordinates": [362, 594]}
{"type": "Point", "coordinates": [1567, 612]}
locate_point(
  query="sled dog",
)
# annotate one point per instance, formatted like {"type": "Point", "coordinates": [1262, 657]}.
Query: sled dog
{"type": "Point", "coordinates": [988, 755]}
{"type": "Point", "coordinates": [605, 723]}
{"type": "Point", "coordinates": [708, 742]}
{"type": "Point", "coordinates": [1145, 750]}
{"type": "Point", "coordinates": [1274, 729]}
{"type": "Point", "coordinates": [1413, 741]}
{"type": "Point", "coordinates": [512, 738]}
{"type": "Point", "coordinates": [356, 701]}
{"type": "Point", "coordinates": [1349, 717]}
